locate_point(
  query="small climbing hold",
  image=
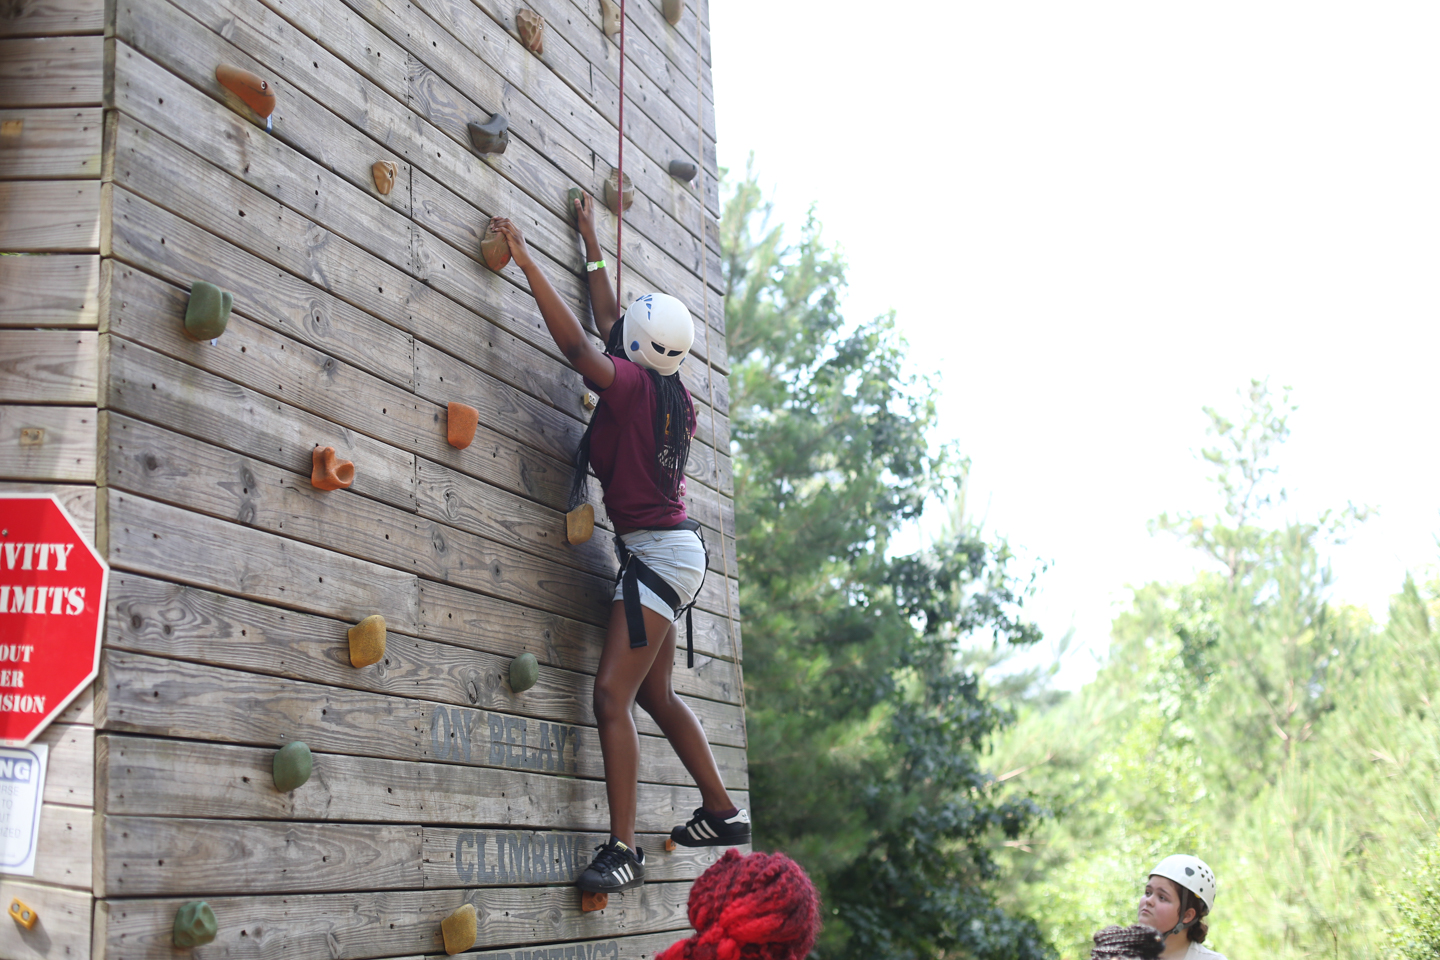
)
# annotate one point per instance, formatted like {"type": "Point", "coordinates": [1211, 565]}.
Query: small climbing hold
{"type": "Point", "coordinates": [460, 929]}
{"type": "Point", "coordinates": [580, 524]}
{"type": "Point", "coordinates": [292, 766]}
{"type": "Point", "coordinates": [492, 136]}
{"type": "Point", "coordinates": [328, 473]}
{"type": "Point", "coordinates": [524, 671]}
{"type": "Point", "coordinates": [590, 902]}
{"type": "Point", "coordinates": [672, 10]}
{"type": "Point", "coordinates": [494, 249]}
{"type": "Point", "coordinates": [208, 311]}
{"type": "Point", "coordinates": [367, 641]}
{"type": "Point", "coordinates": [610, 18]}
{"type": "Point", "coordinates": [532, 31]}
{"type": "Point", "coordinates": [257, 94]}
{"type": "Point", "coordinates": [614, 192]}
{"type": "Point", "coordinates": [23, 913]}
{"type": "Point", "coordinates": [384, 172]}
{"type": "Point", "coordinates": [589, 401]}
{"type": "Point", "coordinates": [460, 422]}
{"type": "Point", "coordinates": [669, 845]}
{"type": "Point", "coordinates": [571, 195]}
{"type": "Point", "coordinates": [195, 925]}
{"type": "Point", "coordinates": [683, 170]}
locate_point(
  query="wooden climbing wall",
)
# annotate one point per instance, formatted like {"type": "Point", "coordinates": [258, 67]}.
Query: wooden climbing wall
{"type": "Point", "coordinates": [357, 318]}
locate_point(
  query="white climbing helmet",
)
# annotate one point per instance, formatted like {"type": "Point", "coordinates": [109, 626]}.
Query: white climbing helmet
{"type": "Point", "coordinates": [1192, 873]}
{"type": "Point", "coordinates": [658, 332]}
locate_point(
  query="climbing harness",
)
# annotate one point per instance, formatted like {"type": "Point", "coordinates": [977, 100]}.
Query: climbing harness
{"type": "Point", "coordinates": [634, 571]}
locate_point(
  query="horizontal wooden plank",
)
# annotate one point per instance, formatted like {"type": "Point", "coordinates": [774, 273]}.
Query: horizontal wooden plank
{"type": "Point", "coordinates": [63, 450]}
{"type": "Point", "coordinates": [643, 947]}
{"type": "Point", "coordinates": [138, 776]}
{"type": "Point", "coordinates": [63, 928]}
{"type": "Point", "coordinates": [50, 216]}
{"type": "Point", "coordinates": [63, 854]}
{"type": "Point", "coordinates": [349, 926]}
{"type": "Point", "coordinates": [51, 72]}
{"type": "Point", "coordinates": [486, 858]}
{"type": "Point", "coordinates": [70, 771]}
{"type": "Point", "coordinates": [60, 144]}
{"type": "Point", "coordinates": [161, 540]}
{"type": "Point", "coordinates": [50, 290]}
{"type": "Point", "coordinates": [78, 501]}
{"type": "Point", "coordinates": [48, 366]}
{"type": "Point", "coordinates": [52, 18]}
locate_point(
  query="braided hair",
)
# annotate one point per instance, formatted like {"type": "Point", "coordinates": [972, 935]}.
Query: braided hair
{"type": "Point", "coordinates": [674, 422]}
{"type": "Point", "coordinates": [756, 907]}
{"type": "Point", "coordinates": [1135, 942]}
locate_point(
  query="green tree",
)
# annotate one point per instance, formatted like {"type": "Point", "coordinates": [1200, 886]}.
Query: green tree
{"type": "Point", "coordinates": [866, 724]}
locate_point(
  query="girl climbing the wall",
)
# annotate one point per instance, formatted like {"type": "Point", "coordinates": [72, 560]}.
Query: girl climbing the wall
{"type": "Point", "coordinates": [638, 442]}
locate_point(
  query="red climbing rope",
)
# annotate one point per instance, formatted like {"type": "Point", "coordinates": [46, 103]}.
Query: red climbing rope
{"type": "Point", "coordinates": [620, 169]}
{"type": "Point", "coordinates": [760, 906]}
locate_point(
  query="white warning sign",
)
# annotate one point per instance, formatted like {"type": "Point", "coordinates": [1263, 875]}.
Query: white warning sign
{"type": "Point", "coordinates": [22, 785]}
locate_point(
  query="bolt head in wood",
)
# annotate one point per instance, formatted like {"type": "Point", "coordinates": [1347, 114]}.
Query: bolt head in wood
{"type": "Point", "coordinates": [208, 311]}
{"type": "Point", "coordinates": [384, 172]}
{"type": "Point", "coordinates": [524, 672]}
{"type": "Point", "coordinates": [367, 641]}
{"type": "Point", "coordinates": [32, 436]}
{"type": "Point", "coordinates": [580, 524]}
{"type": "Point", "coordinates": [460, 929]}
{"type": "Point", "coordinates": [195, 925]}
{"type": "Point", "coordinates": [292, 766]}
{"type": "Point", "coordinates": [23, 913]}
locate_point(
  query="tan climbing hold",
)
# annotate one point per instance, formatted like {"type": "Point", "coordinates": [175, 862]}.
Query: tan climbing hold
{"type": "Point", "coordinates": [23, 913]}
{"type": "Point", "coordinates": [669, 845]}
{"type": "Point", "coordinates": [329, 473]}
{"type": "Point", "coordinates": [384, 172]}
{"type": "Point", "coordinates": [460, 929]}
{"type": "Point", "coordinates": [589, 400]}
{"type": "Point", "coordinates": [580, 524]}
{"type": "Point", "coordinates": [610, 18]}
{"type": "Point", "coordinates": [460, 422]}
{"type": "Point", "coordinates": [614, 192]}
{"type": "Point", "coordinates": [672, 10]}
{"type": "Point", "coordinates": [257, 94]}
{"type": "Point", "coordinates": [532, 31]}
{"type": "Point", "coordinates": [367, 641]}
{"type": "Point", "coordinates": [590, 902]}
{"type": "Point", "coordinates": [494, 249]}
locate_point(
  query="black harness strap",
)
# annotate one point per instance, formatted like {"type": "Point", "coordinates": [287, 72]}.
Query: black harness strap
{"type": "Point", "coordinates": [634, 571]}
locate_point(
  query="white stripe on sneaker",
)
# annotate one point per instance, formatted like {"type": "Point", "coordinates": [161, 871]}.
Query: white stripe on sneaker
{"type": "Point", "coordinates": [710, 833]}
{"type": "Point", "coordinates": [694, 834]}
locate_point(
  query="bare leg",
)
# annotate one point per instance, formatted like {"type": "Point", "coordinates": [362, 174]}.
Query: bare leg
{"type": "Point", "coordinates": [657, 698]}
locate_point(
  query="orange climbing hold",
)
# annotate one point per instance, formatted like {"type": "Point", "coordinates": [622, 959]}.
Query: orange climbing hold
{"type": "Point", "coordinates": [494, 250]}
{"type": "Point", "coordinates": [257, 94]}
{"type": "Point", "coordinates": [580, 524]}
{"type": "Point", "coordinates": [590, 902]}
{"type": "Point", "coordinates": [329, 473]}
{"type": "Point", "coordinates": [532, 31]}
{"type": "Point", "coordinates": [669, 845]}
{"type": "Point", "coordinates": [384, 172]}
{"type": "Point", "coordinates": [460, 422]}
{"type": "Point", "coordinates": [460, 929]}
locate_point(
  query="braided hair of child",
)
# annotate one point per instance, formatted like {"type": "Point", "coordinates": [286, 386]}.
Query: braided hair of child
{"type": "Point", "coordinates": [1135, 942]}
{"type": "Point", "coordinates": [756, 907]}
{"type": "Point", "coordinates": [674, 416]}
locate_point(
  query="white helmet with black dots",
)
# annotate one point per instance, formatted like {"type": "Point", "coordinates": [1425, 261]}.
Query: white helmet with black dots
{"type": "Point", "coordinates": [658, 332]}
{"type": "Point", "coordinates": [1192, 873]}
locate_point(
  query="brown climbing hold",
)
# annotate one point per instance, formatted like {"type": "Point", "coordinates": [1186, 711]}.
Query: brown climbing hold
{"type": "Point", "coordinates": [384, 173]}
{"type": "Point", "coordinates": [494, 249]}
{"type": "Point", "coordinates": [532, 31]}
{"type": "Point", "coordinates": [683, 170]}
{"type": "Point", "coordinates": [580, 524]}
{"type": "Point", "coordinates": [492, 136]}
{"type": "Point", "coordinates": [257, 94]}
{"type": "Point", "coordinates": [669, 845]}
{"type": "Point", "coordinates": [589, 401]}
{"type": "Point", "coordinates": [367, 641]}
{"type": "Point", "coordinates": [614, 192]}
{"type": "Point", "coordinates": [23, 913]}
{"type": "Point", "coordinates": [328, 473]}
{"type": "Point", "coordinates": [610, 18]}
{"type": "Point", "coordinates": [590, 902]}
{"type": "Point", "coordinates": [460, 422]}
{"type": "Point", "coordinates": [460, 929]}
{"type": "Point", "coordinates": [672, 10]}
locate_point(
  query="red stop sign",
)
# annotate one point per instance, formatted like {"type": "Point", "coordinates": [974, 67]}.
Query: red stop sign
{"type": "Point", "coordinates": [52, 599]}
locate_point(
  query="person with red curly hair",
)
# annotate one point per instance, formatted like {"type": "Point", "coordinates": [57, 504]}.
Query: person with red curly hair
{"type": "Point", "coordinates": [756, 907]}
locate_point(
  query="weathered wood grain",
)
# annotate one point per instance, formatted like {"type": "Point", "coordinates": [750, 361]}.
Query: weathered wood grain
{"type": "Point", "coordinates": [643, 947]}
{"type": "Point", "coordinates": [160, 540]}
{"type": "Point", "coordinates": [48, 366]}
{"type": "Point", "coordinates": [357, 925]}
{"type": "Point", "coordinates": [51, 18]}
{"type": "Point", "coordinates": [70, 771]}
{"type": "Point", "coordinates": [66, 448]}
{"type": "Point", "coordinates": [78, 501]}
{"type": "Point", "coordinates": [138, 776]}
{"type": "Point", "coordinates": [49, 216]}
{"type": "Point", "coordinates": [51, 72]}
{"type": "Point", "coordinates": [62, 856]}
{"type": "Point", "coordinates": [62, 144]}
{"type": "Point", "coordinates": [63, 929]}
{"type": "Point", "coordinates": [53, 290]}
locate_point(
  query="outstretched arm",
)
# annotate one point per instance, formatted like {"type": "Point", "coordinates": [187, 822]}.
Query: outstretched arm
{"type": "Point", "coordinates": [602, 295]}
{"type": "Point", "coordinates": [569, 336]}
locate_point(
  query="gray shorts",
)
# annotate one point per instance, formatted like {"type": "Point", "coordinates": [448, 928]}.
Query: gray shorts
{"type": "Point", "coordinates": [677, 556]}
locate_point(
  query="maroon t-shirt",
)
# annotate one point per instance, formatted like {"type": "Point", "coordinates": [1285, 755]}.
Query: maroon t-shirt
{"type": "Point", "coordinates": [622, 451]}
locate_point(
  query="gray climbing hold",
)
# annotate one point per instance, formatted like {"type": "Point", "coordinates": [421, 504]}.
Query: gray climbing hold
{"type": "Point", "coordinates": [524, 671]}
{"type": "Point", "coordinates": [672, 10]}
{"type": "Point", "coordinates": [492, 136]}
{"type": "Point", "coordinates": [208, 311]}
{"type": "Point", "coordinates": [195, 925]}
{"type": "Point", "coordinates": [571, 195]}
{"type": "Point", "coordinates": [292, 766]}
{"type": "Point", "coordinates": [683, 170]}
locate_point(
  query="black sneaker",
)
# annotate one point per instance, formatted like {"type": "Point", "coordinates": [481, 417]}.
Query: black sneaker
{"type": "Point", "coordinates": [615, 868]}
{"type": "Point", "coordinates": [707, 830]}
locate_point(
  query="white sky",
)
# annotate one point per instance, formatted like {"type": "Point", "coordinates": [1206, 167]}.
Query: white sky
{"type": "Point", "coordinates": [1095, 218]}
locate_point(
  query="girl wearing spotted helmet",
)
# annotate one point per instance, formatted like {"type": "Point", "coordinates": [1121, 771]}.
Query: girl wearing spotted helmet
{"type": "Point", "coordinates": [1179, 894]}
{"type": "Point", "coordinates": [638, 442]}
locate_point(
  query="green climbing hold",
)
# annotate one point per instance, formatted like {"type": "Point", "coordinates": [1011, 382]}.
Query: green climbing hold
{"type": "Point", "coordinates": [292, 766]}
{"type": "Point", "coordinates": [195, 925]}
{"type": "Point", "coordinates": [208, 311]}
{"type": "Point", "coordinates": [571, 195]}
{"type": "Point", "coordinates": [524, 671]}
